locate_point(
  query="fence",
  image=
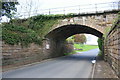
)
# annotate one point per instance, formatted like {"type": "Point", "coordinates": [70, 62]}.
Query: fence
{"type": "Point", "coordinates": [78, 9]}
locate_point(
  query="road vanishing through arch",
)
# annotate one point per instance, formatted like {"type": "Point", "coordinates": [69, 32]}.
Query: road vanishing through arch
{"type": "Point", "coordinates": [72, 66]}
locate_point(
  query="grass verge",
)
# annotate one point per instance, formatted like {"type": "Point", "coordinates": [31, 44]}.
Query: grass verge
{"type": "Point", "coordinates": [82, 48]}
{"type": "Point", "coordinates": [73, 52]}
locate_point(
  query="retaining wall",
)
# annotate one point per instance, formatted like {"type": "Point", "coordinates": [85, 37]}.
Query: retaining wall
{"type": "Point", "coordinates": [16, 55]}
{"type": "Point", "coordinates": [112, 48]}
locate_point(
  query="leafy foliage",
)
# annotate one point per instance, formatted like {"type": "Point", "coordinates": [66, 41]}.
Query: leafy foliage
{"type": "Point", "coordinates": [70, 39]}
{"type": "Point", "coordinates": [13, 34]}
{"type": "Point", "coordinates": [10, 38]}
{"type": "Point", "coordinates": [8, 8]}
{"type": "Point", "coordinates": [100, 43]}
{"type": "Point", "coordinates": [31, 30]}
{"type": "Point", "coordinates": [73, 52]}
{"type": "Point", "coordinates": [81, 38]}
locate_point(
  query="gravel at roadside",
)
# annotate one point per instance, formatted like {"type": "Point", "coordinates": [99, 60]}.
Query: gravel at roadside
{"type": "Point", "coordinates": [103, 70]}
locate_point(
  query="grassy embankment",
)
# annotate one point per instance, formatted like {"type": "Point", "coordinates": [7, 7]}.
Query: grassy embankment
{"type": "Point", "coordinates": [82, 48]}
{"type": "Point", "coordinates": [30, 30]}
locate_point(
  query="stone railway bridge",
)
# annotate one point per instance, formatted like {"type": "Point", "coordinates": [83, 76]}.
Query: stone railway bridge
{"type": "Point", "coordinates": [94, 24]}
{"type": "Point", "coordinates": [54, 44]}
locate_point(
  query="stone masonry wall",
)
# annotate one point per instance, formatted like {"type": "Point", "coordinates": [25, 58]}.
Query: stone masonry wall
{"type": "Point", "coordinates": [98, 22]}
{"type": "Point", "coordinates": [112, 48]}
{"type": "Point", "coordinates": [15, 55]}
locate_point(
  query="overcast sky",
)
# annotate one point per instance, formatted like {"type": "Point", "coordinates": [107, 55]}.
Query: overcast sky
{"type": "Point", "coordinates": [91, 39]}
{"type": "Point", "coordinates": [61, 3]}
{"type": "Point", "coordinates": [33, 6]}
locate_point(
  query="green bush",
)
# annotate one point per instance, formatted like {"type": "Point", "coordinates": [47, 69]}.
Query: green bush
{"type": "Point", "coordinates": [30, 30]}
{"type": "Point", "coordinates": [13, 34]}
{"type": "Point", "coordinates": [100, 53]}
{"type": "Point", "coordinates": [10, 38]}
{"type": "Point", "coordinates": [100, 43]}
{"type": "Point", "coordinates": [13, 27]}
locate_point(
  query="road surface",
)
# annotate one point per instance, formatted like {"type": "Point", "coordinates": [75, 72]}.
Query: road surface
{"type": "Point", "coordinates": [73, 66]}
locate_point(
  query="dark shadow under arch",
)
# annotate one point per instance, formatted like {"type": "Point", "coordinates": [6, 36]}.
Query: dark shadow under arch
{"type": "Point", "coordinates": [66, 31]}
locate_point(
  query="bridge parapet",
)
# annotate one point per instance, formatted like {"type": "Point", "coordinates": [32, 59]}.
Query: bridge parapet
{"type": "Point", "coordinates": [98, 22]}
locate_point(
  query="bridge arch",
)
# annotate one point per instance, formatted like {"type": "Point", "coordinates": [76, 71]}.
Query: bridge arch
{"type": "Point", "coordinates": [66, 31]}
{"type": "Point", "coordinates": [57, 37]}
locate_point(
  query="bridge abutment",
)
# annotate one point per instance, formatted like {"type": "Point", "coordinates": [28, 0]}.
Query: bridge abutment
{"type": "Point", "coordinates": [59, 47]}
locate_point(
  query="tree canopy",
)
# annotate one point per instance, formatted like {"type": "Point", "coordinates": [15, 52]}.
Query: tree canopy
{"type": "Point", "coordinates": [8, 8]}
{"type": "Point", "coordinates": [80, 38]}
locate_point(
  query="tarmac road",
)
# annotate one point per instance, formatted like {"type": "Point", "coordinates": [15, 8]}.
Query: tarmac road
{"type": "Point", "coordinates": [73, 66]}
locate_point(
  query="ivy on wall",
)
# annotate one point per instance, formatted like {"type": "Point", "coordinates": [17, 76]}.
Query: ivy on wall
{"type": "Point", "coordinates": [13, 34]}
{"type": "Point", "coordinates": [30, 30]}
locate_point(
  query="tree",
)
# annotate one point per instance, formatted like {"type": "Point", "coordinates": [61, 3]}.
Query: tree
{"type": "Point", "coordinates": [70, 39]}
{"type": "Point", "coordinates": [80, 38]}
{"type": "Point", "coordinates": [30, 7]}
{"type": "Point", "coordinates": [8, 8]}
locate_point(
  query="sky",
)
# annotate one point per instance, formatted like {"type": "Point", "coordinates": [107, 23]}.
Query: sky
{"type": "Point", "coordinates": [91, 39]}
{"type": "Point", "coordinates": [46, 4]}
{"type": "Point", "coordinates": [33, 7]}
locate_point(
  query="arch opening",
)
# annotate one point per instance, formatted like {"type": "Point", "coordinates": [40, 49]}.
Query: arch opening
{"type": "Point", "coordinates": [66, 31]}
{"type": "Point", "coordinates": [82, 42]}
{"type": "Point", "coordinates": [58, 36]}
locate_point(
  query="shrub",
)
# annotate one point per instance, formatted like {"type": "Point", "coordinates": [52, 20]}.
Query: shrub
{"type": "Point", "coordinates": [10, 38]}
{"type": "Point", "coordinates": [13, 34]}
{"type": "Point", "coordinates": [100, 43]}
{"type": "Point", "coordinates": [30, 30]}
